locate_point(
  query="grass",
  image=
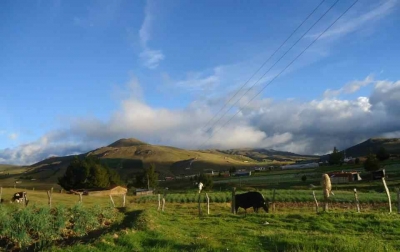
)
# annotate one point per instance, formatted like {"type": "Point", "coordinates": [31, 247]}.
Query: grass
{"type": "Point", "coordinates": [293, 227]}
{"type": "Point", "coordinates": [180, 229]}
{"type": "Point", "coordinates": [35, 228]}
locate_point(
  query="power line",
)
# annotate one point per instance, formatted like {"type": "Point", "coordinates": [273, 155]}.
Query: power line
{"type": "Point", "coordinates": [323, 15]}
{"type": "Point", "coordinates": [322, 33]}
{"type": "Point", "coordinates": [284, 42]}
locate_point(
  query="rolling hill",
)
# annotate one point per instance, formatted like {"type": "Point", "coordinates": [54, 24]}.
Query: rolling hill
{"type": "Point", "coordinates": [372, 145]}
{"type": "Point", "coordinates": [130, 156]}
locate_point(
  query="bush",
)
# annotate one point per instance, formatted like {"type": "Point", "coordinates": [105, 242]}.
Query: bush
{"type": "Point", "coordinates": [304, 178]}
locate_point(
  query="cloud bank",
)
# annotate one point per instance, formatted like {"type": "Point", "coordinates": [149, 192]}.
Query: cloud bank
{"type": "Point", "coordinates": [310, 127]}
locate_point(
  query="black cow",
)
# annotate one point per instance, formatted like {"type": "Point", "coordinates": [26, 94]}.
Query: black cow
{"type": "Point", "coordinates": [250, 199]}
{"type": "Point", "coordinates": [19, 197]}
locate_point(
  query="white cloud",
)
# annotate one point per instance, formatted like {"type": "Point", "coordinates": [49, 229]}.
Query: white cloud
{"type": "Point", "coordinates": [150, 58]}
{"type": "Point", "coordinates": [349, 88]}
{"type": "Point", "coordinates": [13, 136]}
{"type": "Point", "coordinates": [306, 127]}
{"type": "Point", "coordinates": [358, 20]}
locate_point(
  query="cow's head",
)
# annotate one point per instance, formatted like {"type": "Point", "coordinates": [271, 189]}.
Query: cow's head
{"type": "Point", "coordinates": [265, 206]}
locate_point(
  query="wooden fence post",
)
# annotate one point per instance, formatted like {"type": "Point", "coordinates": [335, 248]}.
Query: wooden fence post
{"type": "Point", "coordinates": [233, 201]}
{"type": "Point", "coordinates": [199, 205]}
{"type": "Point", "coordinates": [398, 201]}
{"type": "Point", "coordinates": [316, 202]}
{"type": "Point", "coordinates": [1, 193]}
{"type": "Point", "coordinates": [26, 201]}
{"type": "Point", "coordinates": [112, 201]}
{"type": "Point", "coordinates": [159, 202]}
{"type": "Point", "coordinates": [33, 189]}
{"type": "Point", "coordinates": [357, 202]}
{"type": "Point", "coordinates": [208, 203]}
{"type": "Point", "coordinates": [49, 193]}
{"type": "Point", "coordinates": [163, 204]}
{"type": "Point", "coordinates": [123, 199]}
{"type": "Point", "coordinates": [273, 201]}
{"type": "Point", "coordinates": [388, 194]}
{"type": "Point", "coordinates": [80, 197]}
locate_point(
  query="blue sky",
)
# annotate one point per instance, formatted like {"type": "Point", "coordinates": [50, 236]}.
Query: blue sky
{"type": "Point", "coordinates": [72, 73]}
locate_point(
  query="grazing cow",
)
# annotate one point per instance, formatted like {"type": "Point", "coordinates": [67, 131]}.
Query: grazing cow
{"type": "Point", "coordinates": [19, 197]}
{"type": "Point", "coordinates": [250, 199]}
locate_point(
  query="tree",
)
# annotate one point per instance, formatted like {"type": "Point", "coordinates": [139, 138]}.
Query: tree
{"type": "Point", "coordinates": [335, 157]}
{"type": "Point", "coordinates": [304, 178]}
{"type": "Point", "coordinates": [357, 161]}
{"type": "Point", "coordinates": [148, 178]}
{"type": "Point", "coordinates": [88, 173]}
{"type": "Point", "coordinates": [206, 180]}
{"type": "Point", "coordinates": [372, 163]}
{"type": "Point", "coordinates": [382, 154]}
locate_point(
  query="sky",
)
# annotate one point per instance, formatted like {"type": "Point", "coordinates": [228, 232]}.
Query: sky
{"type": "Point", "coordinates": [77, 75]}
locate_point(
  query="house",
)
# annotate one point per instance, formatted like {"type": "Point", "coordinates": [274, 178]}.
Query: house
{"type": "Point", "coordinates": [344, 177]}
{"type": "Point", "coordinates": [242, 173]}
{"type": "Point", "coordinates": [258, 169]}
{"type": "Point", "coordinates": [141, 191]}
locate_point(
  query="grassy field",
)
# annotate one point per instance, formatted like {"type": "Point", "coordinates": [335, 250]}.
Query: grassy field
{"type": "Point", "coordinates": [180, 229]}
{"type": "Point", "coordinates": [294, 226]}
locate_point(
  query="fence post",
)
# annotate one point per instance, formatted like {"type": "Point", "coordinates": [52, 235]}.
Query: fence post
{"type": "Point", "coordinates": [233, 201]}
{"type": "Point", "coordinates": [33, 189]}
{"type": "Point", "coordinates": [199, 204]}
{"type": "Point", "coordinates": [388, 194]}
{"type": "Point", "coordinates": [357, 202]}
{"type": "Point", "coordinates": [163, 204]}
{"type": "Point", "coordinates": [398, 200]}
{"type": "Point", "coordinates": [208, 204]}
{"type": "Point", "coordinates": [112, 201]}
{"type": "Point", "coordinates": [1, 193]}
{"type": "Point", "coordinates": [159, 202]}
{"type": "Point", "coordinates": [316, 202]}
{"type": "Point", "coordinates": [273, 201]}
{"type": "Point", "coordinates": [123, 199]}
{"type": "Point", "coordinates": [49, 193]}
{"type": "Point", "coordinates": [80, 197]}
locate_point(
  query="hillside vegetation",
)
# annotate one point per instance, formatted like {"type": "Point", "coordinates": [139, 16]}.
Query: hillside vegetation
{"type": "Point", "coordinates": [129, 156]}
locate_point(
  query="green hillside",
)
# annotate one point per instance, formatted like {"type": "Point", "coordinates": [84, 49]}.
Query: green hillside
{"type": "Point", "coordinates": [372, 145]}
{"type": "Point", "coordinates": [129, 156]}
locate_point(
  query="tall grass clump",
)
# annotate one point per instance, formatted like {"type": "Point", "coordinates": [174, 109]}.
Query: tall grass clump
{"type": "Point", "coordinates": [38, 227]}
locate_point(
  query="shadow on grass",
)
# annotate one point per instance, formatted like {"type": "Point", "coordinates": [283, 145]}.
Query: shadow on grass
{"type": "Point", "coordinates": [127, 222]}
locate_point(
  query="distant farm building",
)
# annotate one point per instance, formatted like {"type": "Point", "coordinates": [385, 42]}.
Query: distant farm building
{"type": "Point", "coordinates": [344, 177]}
{"type": "Point", "coordinates": [242, 173]}
{"type": "Point", "coordinates": [300, 166]}
{"type": "Point", "coordinates": [140, 191]}
{"type": "Point", "coordinates": [378, 174]}
{"type": "Point", "coordinates": [258, 169]}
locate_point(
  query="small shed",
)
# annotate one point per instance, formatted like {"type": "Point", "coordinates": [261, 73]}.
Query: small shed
{"type": "Point", "coordinates": [118, 190]}
{"type": "Point", "coordinates": [344, 177]}
{"type": "Point", "coordinates": [139, 191]}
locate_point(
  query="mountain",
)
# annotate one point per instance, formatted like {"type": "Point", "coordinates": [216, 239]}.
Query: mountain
{"type": "Point", "coordinates": [392, 146]}
{"type": "Point", "coordinates": [131, 155]}
{"type": "Point", "coordinates": [268, 154]}
{"type": "Point", "coordinates": [127, 142]}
